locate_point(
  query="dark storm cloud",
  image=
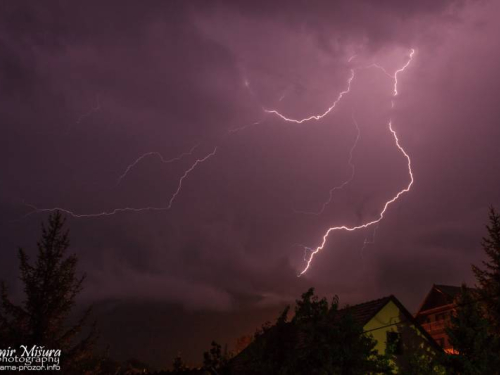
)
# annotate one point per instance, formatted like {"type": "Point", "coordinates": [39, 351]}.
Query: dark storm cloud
{"type": "Point", "coordinates": [87, 87]}
{"type": "Point", "coordinates": [336, 23]}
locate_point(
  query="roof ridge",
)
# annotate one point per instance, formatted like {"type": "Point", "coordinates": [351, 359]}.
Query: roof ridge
{"type": "Point", "coordinates": [367, 302]}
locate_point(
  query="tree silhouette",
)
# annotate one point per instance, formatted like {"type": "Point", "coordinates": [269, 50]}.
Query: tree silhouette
{"type": "Point", "coordinates": [50, 288]}
{"type": "Point", "coordinates": [178, 365]}
{"type": "Point", "coordinates": [489, 277]}
{"type": "Point", "coordinates": [216, 359]}
{"type": "Point", "coordinates": [318, 340]}
{"type": "Point", "coordinates": [476, 348]}
{"type": "Point", "coordinates": [475, 327]}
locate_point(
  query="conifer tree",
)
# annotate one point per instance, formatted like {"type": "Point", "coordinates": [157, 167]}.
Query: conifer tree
{"type": "Point", "coordinates": [476, 348]}
{"type": "Point", "coordinates": [489, 276]}
{"type": "Point", "coordinates": [179, 365]}
{"type": "Point", "coordinates": [50, 288]}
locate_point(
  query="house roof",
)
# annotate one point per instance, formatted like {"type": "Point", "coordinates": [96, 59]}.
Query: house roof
{"type": "Point", "coordinates": [440, 295]}
{"type": "Point", "coordinates": [449, 290]}
{"type": "Point", "coordinates": [363, 312]}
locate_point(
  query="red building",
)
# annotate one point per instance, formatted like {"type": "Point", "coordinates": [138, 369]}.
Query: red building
{"type": "Point", "coordinates": [435, 312]}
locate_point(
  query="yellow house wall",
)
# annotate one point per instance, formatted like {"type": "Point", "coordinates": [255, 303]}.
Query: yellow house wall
{"type": "Point", "coordinates": [386, 320]}
{"type": "Point", "coordinates": [389, 314]}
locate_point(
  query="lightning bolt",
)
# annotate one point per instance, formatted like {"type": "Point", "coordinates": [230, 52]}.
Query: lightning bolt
{"type": "Point", "coordinates": [134, 164]}
{"type": "Point", "coordinates": [310, 251]}
{"type": "Point", "coordinates": [127, 209]}
{"type": "Point", "coordinates": [157, 154]}
{"type": "Point", "coordinates": [395, 75]}
{"type": "Point", "coordinates": [382, 213]}
{"type": "Point", "coordinates": [398, 145]}
{"type": "Point", "coordinates": [343, 184]}
{"type": "Point", "coordinates": [317, 117]}
{"type": "Point", "coordinates": [400, 70]}
{"type": "Point", "coordinates": [188, 171]}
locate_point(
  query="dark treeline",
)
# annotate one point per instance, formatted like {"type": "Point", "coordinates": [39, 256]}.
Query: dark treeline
{"type": "Point", "coordinates": [319, 338]}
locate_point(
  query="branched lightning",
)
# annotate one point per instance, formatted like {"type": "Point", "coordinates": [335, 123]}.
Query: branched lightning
{"type": "Point", "coordinates": [128, 209]}
{"type": "Point", "coordinates": [343, 184]}
{"type": "Point", "coordinates": [395, 75]}
{"type": "Point", "coordinates": [310, 252]}
{"type": "Point", "coordinates": [317, 117]}
{"type": "Point", "coordinates": [382, 213]}
{"type": "Point", "coordinates": [396, 139]}
{"type": "Point", "coordinates": [157, 154]}
{"type": "Point", "coordinates": [134, 164]}
{"type": "Point", "coordinates": [188, 171]}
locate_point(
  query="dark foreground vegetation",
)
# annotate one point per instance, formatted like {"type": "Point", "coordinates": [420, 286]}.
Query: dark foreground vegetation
{"type": "Point", "coordinates": [318, 339]}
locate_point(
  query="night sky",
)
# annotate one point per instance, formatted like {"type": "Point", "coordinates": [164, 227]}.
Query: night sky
{"type": "Point", "coordinates": [87, 88]}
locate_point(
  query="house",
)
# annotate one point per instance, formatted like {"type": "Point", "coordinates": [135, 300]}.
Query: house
{"type": "Point", "coordinates": [391, 325]}
{"type": "Point", "coordinates": [435, 312]}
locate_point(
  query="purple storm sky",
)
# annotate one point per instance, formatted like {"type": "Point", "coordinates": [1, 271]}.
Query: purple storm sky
{"type": "Point", "coordinates": [88, 87]}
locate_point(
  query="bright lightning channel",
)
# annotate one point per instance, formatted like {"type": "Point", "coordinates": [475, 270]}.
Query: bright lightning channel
{"type": "Point", "coordinates": [396, 139]}
{"type": "Point", "coordinates": [381, 215]}
{"type": "Point", "coordinates": [317, 117]}
{"type": "Point", "coordinates": [412, 52]}
{"type": "Point", "coordinates": [128, 209]}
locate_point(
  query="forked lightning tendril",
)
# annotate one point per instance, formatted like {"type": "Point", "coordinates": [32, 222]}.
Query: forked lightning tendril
{"type": "Point", "coordinates": [381, 215]}
{"type": "Point", "coordinates": [314, 251]}
{"type": "Point", "coordinates": [157, 154]}
{"type": "Point", "coordinates": [128, 209]}
{"type": "Point", "coordinates": [316, 117]}
{"type": "Point", "coordinates": [310, 252]}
